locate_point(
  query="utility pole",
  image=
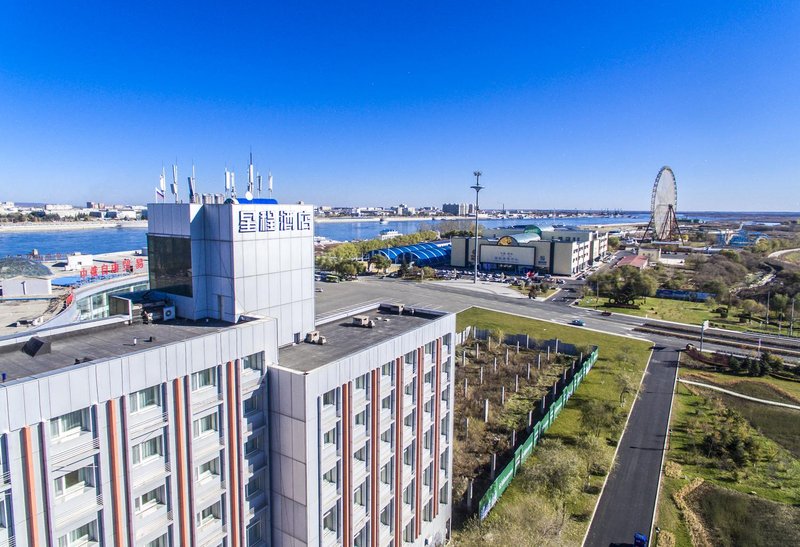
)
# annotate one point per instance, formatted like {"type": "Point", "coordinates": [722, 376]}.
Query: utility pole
{"type": "Point", "coordinates": [766, 324]}
{"type": "Point", "coordinates": [477, 187]}
{"type": "Point", "coordinates": [791, 320]}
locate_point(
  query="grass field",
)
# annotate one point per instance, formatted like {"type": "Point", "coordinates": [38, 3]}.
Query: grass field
{"type": "Point", "coordinates": [691, 313]}
{"type": "Point", "coordinates": [793, 257]}
{"type": "Point", "coordinates": [737, 502]}
{"type": "Point", "coordinates": [522, 516]}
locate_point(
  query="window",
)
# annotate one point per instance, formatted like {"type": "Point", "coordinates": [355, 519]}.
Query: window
{"type": "Point", "coordinates": [410, 358]}
{"type": "Point", "coordinates": [74, 482]}
{"type": "Point", "coordinates": [427, 476]}
{"type": "Point", "coordinates": [408, 532]}
{"type": "Point", "coordinates": [252, 444]}
{"type": "Point", "coordinates": [204, 378]}
{"type": "Point", "coordinates": [408, 455]}
{"type": "Point", "coordinates": [408, 494]}
{"type": "Point", "coordinates": [443, 495]}
{"type": "Point", "coordinates": [430, 349]}
{"type": "Point", "coordinates": [409, 389]}
{"type": "Point", "coordinates": [79, 536]}
{"type": "Point", "coordinates": [387, 369]}
{"type": "Point", "coordinates": [427, 407]}
{"type": "Point", "coordinates": [207, 470]}
{"type": "Point", "coordinates": [429, 377]}
{"type": "Point", "coordinates": [3, 523]}
{"type": "Point", "coordinates": [426, 439]}
{"type": "Point", "coordinates": [361, 454]}
{"type": "Point", "coordinates": [329, 398]}
{"type": "Point", "coordinates": [329, 521]}
{"type": "Point", "coordinates": [149, 500]}
{"type": "Point", "coordinates": [361, 418]}
{"type": "Point", "coordinates": [386, 473]}
{"type": "Point", "coordinates": [209, 514]}
{"type": "Point", "coordinates": [386, 403]}
{"type": "Point", "coordinates": [386, 436]}
{"type": "Point", "coordinates": [329, 437]}
{"type": "Point", "coordinates": [205, 425]}
{"type": "Point", "coordinates": [361, 539]}
{"type": "Point", "coordinates": [361, 382]}
{"type": "Point", "coordinates": [253, 362]}
{"type": "Point", "coordinates": [360, 495]}
{"type": "Point", "coordinates": [252, 403]}
{"type": "Point", "coordinates": [443, 458]}
{"type": "Point", "coordinates": [170, 264]}
{"type": "Point", "coordinates": [331, 475]}
{"type": "Point", "coordinates": [151, 448]}
{"type": "Point", "coordinates": [145, 399]}
{"type": "Point", "coordinates": [255, 486]}
{"type": "Point", "coordinates": [427, 512]}
{"type": "Point", "coordinates": [70, 424]}
{"type": "Point", "coordinates": [410, 421]}
{"type": "Point", "coordinates": [159, 542]}
{"type": "Point", "coordinates": [446, 340]}
{"type": "Point", "coordinates": [386, 515]}
{"type": "Point", "coordinates": [253, 534]}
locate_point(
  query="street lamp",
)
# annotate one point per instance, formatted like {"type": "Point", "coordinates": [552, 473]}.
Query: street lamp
{"type": "Point", "coordinates": [477, 187]}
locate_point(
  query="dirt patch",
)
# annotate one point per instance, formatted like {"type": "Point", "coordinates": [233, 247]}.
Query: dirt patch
{"type": "Point", "coordinates": [673, 470]}
{"type": "Point", "coordinates": [731, 518]}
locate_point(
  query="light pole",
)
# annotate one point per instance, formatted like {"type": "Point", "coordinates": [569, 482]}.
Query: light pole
{"type": "Point", "coordinates": [477, 187]}
{"type": "Point", "coordinates": [791, 320]}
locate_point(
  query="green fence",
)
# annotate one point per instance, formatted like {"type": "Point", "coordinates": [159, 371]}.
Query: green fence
{"type": "Point", "coordinates": [524, 450]}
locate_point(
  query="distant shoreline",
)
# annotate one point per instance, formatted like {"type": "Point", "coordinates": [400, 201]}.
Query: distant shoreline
{"type": "Point", "coordinates": [22, 227]}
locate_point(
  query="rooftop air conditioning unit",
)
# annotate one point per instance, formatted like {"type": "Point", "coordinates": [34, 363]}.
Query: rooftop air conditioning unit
{"type": "Point", "coordinates": [363, 321]}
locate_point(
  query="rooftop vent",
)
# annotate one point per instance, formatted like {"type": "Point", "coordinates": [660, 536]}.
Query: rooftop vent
{"type": "Point", "coordinates": [363, 321]}
{"type": "Point", "coordinates": [36, 346]}
{"type": "Point", "coordinates": [313, 337]}
{"type": "Point", "coordinates": [392, 308]}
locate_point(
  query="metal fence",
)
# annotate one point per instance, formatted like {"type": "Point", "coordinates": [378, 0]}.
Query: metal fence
{"type": "Point", "coordinates": [524, 450]}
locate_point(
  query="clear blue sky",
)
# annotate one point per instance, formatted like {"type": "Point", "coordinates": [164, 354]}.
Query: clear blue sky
{"type": "Point", "coordinates": [560, 104]}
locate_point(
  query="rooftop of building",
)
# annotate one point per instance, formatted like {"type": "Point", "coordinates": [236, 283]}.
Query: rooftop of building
{"type": "Point", "coordinates": [343, 337]}
{"type": "Point", "coordinates": [89, 342]}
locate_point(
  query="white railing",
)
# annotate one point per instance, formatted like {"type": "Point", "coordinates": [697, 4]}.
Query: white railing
{"type": "Point", "coordinates": [83, 449]}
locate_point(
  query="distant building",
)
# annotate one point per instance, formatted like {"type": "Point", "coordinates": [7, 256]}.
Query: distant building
{"type": "Point", "coordinates": [457, 209]}
{"type": "Point", "coordinates": [637, 261]}
{"type": "Point", "coordinates": [520, 249]}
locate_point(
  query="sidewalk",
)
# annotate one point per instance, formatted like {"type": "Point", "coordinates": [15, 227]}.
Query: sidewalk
{"type": "Point", "coordinates": [500, 289]}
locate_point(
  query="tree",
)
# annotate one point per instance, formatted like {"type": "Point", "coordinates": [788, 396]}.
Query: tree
{"type": "Point", "coordinates": [559, 472]}
{"type": "Point", "coordinates": [380, 261]}
{"type": "Point", "coordinates": [626, 386]}
{"type": "Point", "coordinates": [597, 416]}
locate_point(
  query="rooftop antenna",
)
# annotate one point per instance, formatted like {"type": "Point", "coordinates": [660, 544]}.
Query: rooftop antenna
{"type": "Point", "coordinates": [233, 184]}
{"type": "Point", "coordinates": [191, 186]}
{"type": "Point", "coordinates": [227, 181]}
{"type": "Point", "coordinates": [250, 175]}
{"type": "Point", "coordinates": [269, 183]}
{"type": "Point", "coordinates": [258, 178]}
{"type": "Point", "coordinates": [162, 185]}
{"type": "Point", "coordinates": [175, 181]}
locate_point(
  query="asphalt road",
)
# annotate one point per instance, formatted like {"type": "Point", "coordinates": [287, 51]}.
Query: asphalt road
{"type": "Point", "coordinates": [626, 505]}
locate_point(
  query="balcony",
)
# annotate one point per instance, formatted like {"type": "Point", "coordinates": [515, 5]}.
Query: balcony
{"type": "Point", "coordinates": [63, 450]}
{"type": "Point", "coordinates": [146, 420]}
{"type": "Point", "coordinates": [210, 532]}
{"type": "Point", "coordinates": [328, 417]}
{"type": "Point", "coordinates": [152, 521]}
{"type": "Point", "coordinates": [330, 492]}
{"type": "Point", "coordinates": [149, 470]}
{"type": "Point", "coordinates": [207, 444]}
{"type": "Point", "coordinates": [205, 398]}
{"type": "Point", "coordinates": [75, 505]}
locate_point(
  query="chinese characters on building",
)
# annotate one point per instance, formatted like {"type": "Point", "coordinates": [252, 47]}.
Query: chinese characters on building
{"type": "Point", "coordinates": [273, 221]}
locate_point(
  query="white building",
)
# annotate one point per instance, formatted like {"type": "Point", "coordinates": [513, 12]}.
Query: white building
{"type": "Point", "coordinates": [194, 417]}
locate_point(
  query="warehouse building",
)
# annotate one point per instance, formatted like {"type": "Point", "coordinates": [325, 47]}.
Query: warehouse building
{"type": "Point", "coordinates": [521, 249]}
{"type": "Point", "coordinates": [195, 413]}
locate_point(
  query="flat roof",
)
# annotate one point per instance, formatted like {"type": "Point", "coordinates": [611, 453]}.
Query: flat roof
{"type": "Point", "coordinates": [343, 338]}
{"type": "Point", "coordinates": [98, 343]}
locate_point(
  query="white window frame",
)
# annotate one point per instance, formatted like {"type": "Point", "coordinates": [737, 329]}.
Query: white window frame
{"type": "Point", "coordinates": [254, 362]}
{"type": "Point", "coordinates": [254, 486]}
{"type": "Point", "coordinates": [84, 479]}
{"type": "Point", "coordinates": [204, 379]}
{"type": "Point", "coordinates": [150, 500]}
{"type": "Point", "coordinates": [333, 527]}
{"type": "Point", "coordinates": [58, 425]}
{"type": "Point", "coordinates": [252, 445]}
{"type": "Point", "coordinates": [256, 526]}
{"type": "Point", "coordinates": [161, 541]}
{"type": "Point", "coordinates": [143, 399]}
{"type": "Point", "coordinates": [211, 420]}
{"type": "Point", "coordinates": [88, 535]}
{"type": "Point", "coordinates": [208, 470]}
{"type": "Point", "coordinates": [208, 514]}
{"type": "Point", "coordinates": [137, 450]}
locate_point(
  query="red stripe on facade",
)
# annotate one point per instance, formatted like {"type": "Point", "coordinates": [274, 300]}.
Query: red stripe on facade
{"type": "Point", "coordinates": [30, 487]}
{"type": "Point", "coordinates": [180, 459]}
{"type": "Point", "coordinates": [420, 437]}
{"type": "Point", "coordinates": [398, 451]}
{"type": "Point", "coordinates": [347, 457]}
{"type": "Point", "coordinates": [437, 420]}
{"type": "Point", "coordinates": [116, 472]}
{"type": "Point", "coordinates": [233, 454]}
{"type": "Point", "coordinates": [375, 457]}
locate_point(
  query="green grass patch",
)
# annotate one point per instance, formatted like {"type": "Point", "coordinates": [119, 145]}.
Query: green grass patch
{"type": "Point", "coordinates": [736, 519]}
{"type": "Point", "coordinates": [523, 512]}
{"type": "Point", "coordinates": [766, 484]}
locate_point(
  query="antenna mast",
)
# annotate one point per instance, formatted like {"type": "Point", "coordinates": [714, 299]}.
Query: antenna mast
{"type": "Point", "coordinates": [175, 181]}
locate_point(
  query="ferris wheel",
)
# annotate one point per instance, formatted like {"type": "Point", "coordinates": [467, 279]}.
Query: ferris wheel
{"type": "Point", "coordinates": [663, 225]}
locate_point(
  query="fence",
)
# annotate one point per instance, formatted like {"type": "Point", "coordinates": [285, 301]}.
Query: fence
{"type": "Point", "coordinates": [525, 449]}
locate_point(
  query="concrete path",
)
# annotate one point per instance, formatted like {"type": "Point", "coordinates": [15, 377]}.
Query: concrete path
{"type": "Point", "coordinates": [739, 395]}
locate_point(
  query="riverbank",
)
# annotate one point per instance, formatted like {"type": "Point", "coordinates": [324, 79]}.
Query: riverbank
{"type": "Point", "coordinates": [68, 226]}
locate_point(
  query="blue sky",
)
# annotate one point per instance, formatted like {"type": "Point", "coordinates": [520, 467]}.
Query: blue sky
{"type": "Point", "coordinates": [560, 104]}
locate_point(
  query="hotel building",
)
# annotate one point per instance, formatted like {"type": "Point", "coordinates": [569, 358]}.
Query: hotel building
{"type": "Point", "coordinates": [195, 414]}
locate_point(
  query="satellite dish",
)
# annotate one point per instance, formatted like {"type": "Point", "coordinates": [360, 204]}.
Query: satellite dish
{"type": "Point", "coordinates": [248, 195]}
